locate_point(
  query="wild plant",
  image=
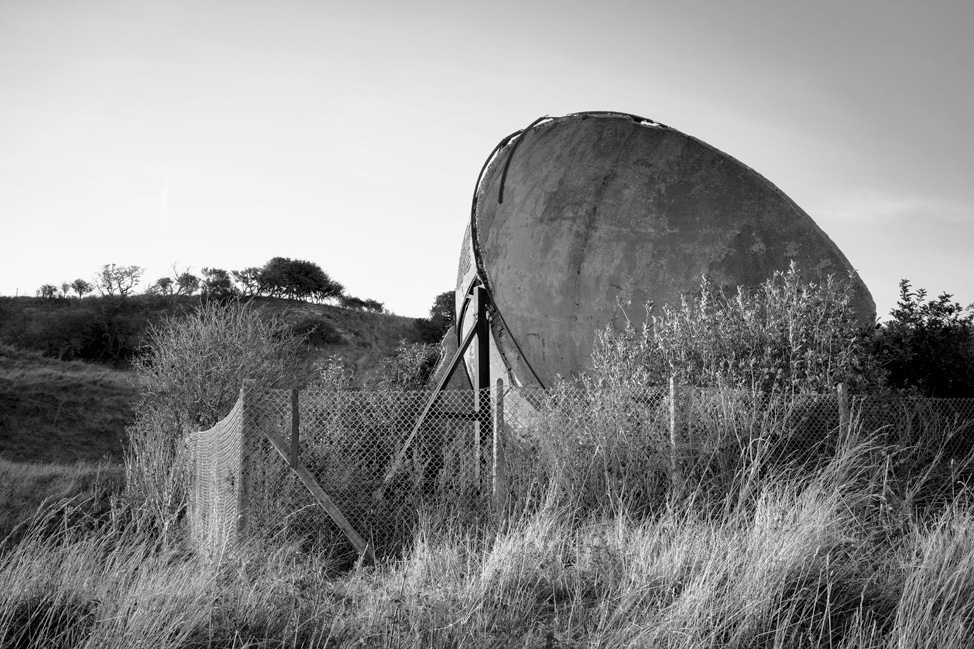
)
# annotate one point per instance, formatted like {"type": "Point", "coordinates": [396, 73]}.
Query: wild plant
{"type": "Point", "coordinates": [786, 335]}
{"type": "Point", "coordinates": [189, 378]}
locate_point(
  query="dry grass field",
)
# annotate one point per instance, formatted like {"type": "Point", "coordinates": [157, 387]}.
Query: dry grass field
{"type": "Point", "coordinates": [871, 546]}
{"type": "Point", "coordinates": [852, 555]}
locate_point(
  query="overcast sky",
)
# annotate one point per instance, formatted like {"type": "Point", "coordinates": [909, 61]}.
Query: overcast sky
{"type": "Point", "coordinates": [223, 133]}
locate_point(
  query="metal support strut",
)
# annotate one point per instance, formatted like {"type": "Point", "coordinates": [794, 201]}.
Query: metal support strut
{"type": "Point", "coordinates": [480, 380]}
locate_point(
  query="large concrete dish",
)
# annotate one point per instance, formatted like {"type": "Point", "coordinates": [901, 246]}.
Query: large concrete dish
{"type": "Point", "coordinates": [577, 213]}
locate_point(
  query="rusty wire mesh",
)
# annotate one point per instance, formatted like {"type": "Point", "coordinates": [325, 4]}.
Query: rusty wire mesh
{"type": "Point", "coordinates": [591, 448]}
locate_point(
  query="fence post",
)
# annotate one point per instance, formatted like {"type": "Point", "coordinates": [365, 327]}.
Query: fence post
{"type": "Point", "coordinates": [676, 472]}
{"type": "Point", "coordinates": [481, 380]}
{"type": "Point", "coordinates": [295, 428]}
{"type": "Point", "coordinates": [248, 433]}
{"type": "Point", "coordinates": [477, 425]}
{"type": "Point", "coordinates": [844, 417]}
{"type": "Point", "coordinates": [499, 460]}
{"type": "Point", "coordinates": [193, 513]}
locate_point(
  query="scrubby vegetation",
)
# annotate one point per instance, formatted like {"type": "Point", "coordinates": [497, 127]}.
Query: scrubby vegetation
{"type": "Point", "coordinates": [867, 545]}
{"type": "Point", "coordinates": [928, 346]}
{"type": "Point", "coordinates": [68, 390]}
{"type": "Point", "coordinates": [112, 330]}
{"type": "Point", "coordinates": [442, 316]}
{"type": "Point", "coordinates": [786, 335]}
{"type": "Point", "coordinates": [189, 378]}
{"type": "Point", "coordinates": [791, 335]}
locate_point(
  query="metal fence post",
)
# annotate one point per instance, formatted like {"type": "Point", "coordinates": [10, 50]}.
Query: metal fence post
{"type": "Point", "coordinates": [295, 428]}
{"type": "Point", "coordinates": [676, 474]}
{"type": "Point", "coordinates": [842, 393]}
{"type": "Point", "coordinates": [499, 460]}
{"type": "Point", "coordinates": [481, 380]}
{"type": "Point", "coordinates": [248, 433]}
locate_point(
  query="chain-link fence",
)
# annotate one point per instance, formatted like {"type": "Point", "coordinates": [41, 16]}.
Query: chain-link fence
{"type": "Point", "coordinates": [353, 445]}
{"type": "Point", "coordinates": [366, 465]}
{"type": "Point", "coordinates": [216, 471]}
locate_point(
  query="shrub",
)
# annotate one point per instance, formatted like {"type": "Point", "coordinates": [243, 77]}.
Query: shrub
{"type": "Point", "coordinates": [190, 378]}
{"type": "Point", "coordinates": [358, 304]}
{"type": "Point", "coordinates": [442, 317]}
{"type": "Point", "coordinates": [786, 335]}
{"type": "Point", "coordinates": [104, 330]}
{"type": "Point", "coordinates": [409, 369]}
{"type": "Point", "coordinates": [928, 347]}
{"type": "Point", "coordinates": [317, 330]}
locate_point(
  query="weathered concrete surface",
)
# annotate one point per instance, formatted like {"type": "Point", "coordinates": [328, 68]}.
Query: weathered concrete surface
{"type": "Point", "coordinates": [602, 207]}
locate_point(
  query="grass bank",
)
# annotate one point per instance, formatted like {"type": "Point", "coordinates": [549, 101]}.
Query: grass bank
{"type": "Point", "coordinates": [833, 558]}
{"type": "Point", "coordinates": [26, 487]}
{"type": "Point", "coordinates": [62, 411]}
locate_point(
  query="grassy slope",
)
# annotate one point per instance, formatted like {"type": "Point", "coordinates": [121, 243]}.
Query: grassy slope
{"type": "Point", "coordinates": [60, 411]}
{"type": "Point", "coordinates": [111, 330]}
{"type": "Point", "coordinates": [60, 418]}
{"type": "Point", "coordinates": [27, 486]}
{"type": "Point", "coordinates": [359, 338]}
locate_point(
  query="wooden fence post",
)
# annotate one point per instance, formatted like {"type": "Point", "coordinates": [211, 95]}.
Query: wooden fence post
{"type": "Point", "coordinates": [499, 460]}
{"type": "Point", "coordinates": [676, 441]}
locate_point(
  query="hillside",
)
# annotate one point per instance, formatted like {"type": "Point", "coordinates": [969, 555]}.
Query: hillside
{"type": "Point", "coordinates": [360, 338]}
{"type": "Point", "coordinates": [111, 330]}
{"type": "Point", "coordinates": [61, 411]}
{"type": "Point", "coordinates": [67, 391]}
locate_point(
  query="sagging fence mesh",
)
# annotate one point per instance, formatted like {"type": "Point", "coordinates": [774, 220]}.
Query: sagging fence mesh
{"type": "Point", "coordinates": [373, 461]}
{"type": "Point", "coordinates": [216, 470]}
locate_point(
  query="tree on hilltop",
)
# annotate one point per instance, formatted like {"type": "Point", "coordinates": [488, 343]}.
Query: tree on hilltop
{"type": "Point", "coordinates": [217, 284]}
{"type": "Point", "coordinates": [117, 280]}
{"type": "Point", "coordinates": [187, 283]}
{"type": "Point", "coordinates": [247, 280]}
{"type": "Point", "coordinates": [47, 291]}
{"type": "Point", "coordinates": [297, 279]}
{"type": "Point", "coordinates": [162, 286]}
{"type": "Point", "coordinates": [81, 287]}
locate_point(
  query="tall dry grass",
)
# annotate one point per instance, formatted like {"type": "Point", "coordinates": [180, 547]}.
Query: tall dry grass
{"type": "Point", "coordinates": [863, 541]}
{"type": "Point", "coordinates": [835, 557]}
{"type": "Point", "coordinates": [25, 488]}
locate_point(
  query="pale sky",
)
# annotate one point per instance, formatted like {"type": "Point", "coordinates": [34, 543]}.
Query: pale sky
{"type": "Point", "coordinates": [226, 132]}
